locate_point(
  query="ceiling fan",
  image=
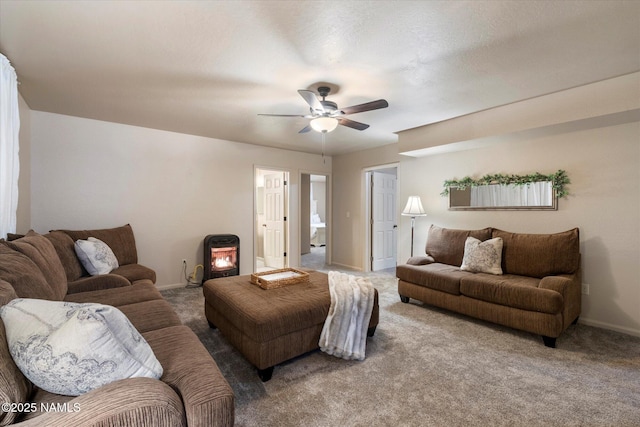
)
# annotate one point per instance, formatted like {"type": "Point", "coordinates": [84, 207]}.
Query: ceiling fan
{"type": "Point", "coordinates": [326, 115]}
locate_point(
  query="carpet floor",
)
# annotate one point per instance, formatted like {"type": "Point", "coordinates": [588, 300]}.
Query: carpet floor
{"type": "Point", "coordinates": [431, 367]}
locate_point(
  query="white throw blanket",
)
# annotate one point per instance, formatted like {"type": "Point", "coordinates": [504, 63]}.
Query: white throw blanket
{"type": "Point", "coordinates": [345, 330]}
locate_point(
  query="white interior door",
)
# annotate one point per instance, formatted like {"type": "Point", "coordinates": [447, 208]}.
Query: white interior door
{"type": "Point", "coordinates": [274, 225]}
{"type": "Point", "coordinates": [384, 221]}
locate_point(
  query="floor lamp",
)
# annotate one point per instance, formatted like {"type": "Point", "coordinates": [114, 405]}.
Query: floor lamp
{"type": "Point", "coordinates": [413, 209]}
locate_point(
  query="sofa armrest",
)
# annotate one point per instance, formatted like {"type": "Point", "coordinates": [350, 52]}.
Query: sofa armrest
{"type": "Point", "coordinates": [420, 260]}
{"type": "Point", "coordinates": [208, 398]}
{"type": "Point", "coordinates": [133, 401]}
{"type": "Point", "coordinates": [97, 283]}
{"type": "Point", "coordinates": [135, 272]}
{"type": "Point", "coordinates": [570, 287]}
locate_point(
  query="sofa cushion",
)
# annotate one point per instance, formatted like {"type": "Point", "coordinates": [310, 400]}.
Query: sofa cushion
{"type": "Point", "coordinates": [118, 296]}
{"type": "Point", "coordinates": [70, 349]}
{"type": "Point", "coordinates": [540, 255]}
{"type": "Point", "coordinates": [120, 239]}
{"type": "Point", "coordinates": [512, 291]}
{"type": "Point", "coordinates": [441, 277]}
{"type": "Point", "coordinates": [63, 244]}
{"type": "Point", "coordinates": [23, 274]}
{"type": "Point", "coordinates": [482, 257]}
{"type": "Point", "coordinates": [446, 245]}
{"type": "Point", "coordinates": [44, 255]}
{"type": "Point", "coordinates": [96, 256]}
{"type": "Point", "coordinates": [96, 283]}
{"type": "Point", "coordinates": [151, 315]}
{"type": "Point", "coordinates": [135, 272]}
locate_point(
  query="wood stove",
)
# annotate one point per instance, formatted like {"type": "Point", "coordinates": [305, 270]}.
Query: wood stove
{"type": "Point", "coordinates": [221, 256]}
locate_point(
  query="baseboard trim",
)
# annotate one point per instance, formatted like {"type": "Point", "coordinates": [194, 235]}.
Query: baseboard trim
{"type": "Point", "coordinates": [170, 286]}
{"type": "Point", "coordinates": [609, 326]}
{"type": "Point", "coordinates": [350, 267]}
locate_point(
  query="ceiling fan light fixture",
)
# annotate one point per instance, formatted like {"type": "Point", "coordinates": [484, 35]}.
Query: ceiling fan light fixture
{"type": "Point", "coordinates": [324, 124]}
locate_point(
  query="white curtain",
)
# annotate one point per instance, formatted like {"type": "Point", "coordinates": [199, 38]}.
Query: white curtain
{"type": "Point", "coordinates": [534, 194]}
{"type": "Point", "coordinates": [9, 130]}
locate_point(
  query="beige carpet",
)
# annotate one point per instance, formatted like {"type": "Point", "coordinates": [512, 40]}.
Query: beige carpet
{"type": "Point", "coordinates": [429, 367]}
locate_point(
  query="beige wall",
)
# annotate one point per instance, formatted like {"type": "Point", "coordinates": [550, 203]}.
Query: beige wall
{"type": "Point", "coordinates": [23, 222]}
{"type": "Point", "coordinates": [349, 220]}
{"type": "Point", "coordinates": [174, 189]}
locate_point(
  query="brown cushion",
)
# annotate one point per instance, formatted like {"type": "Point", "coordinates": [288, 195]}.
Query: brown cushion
{"type": "Point", "coordinates": [441, 277]}
{"type": "Point", "coordinates": [540, 255]}
{"type": "Point", "coordinates": [135, 272]}
{"type": "Point", "coordinates": [151, 315]}
{"type": "Point", "coordinates": [67, 254]}
{"type": "Point", "coordinates": [119, 239]}
{"type": "Point", "coordinates": [42, 252]}
{"type": "Point", "coordinates": [97, 283]}
{"type": "Point", "coordinates": [7, 293]}
{"type": "Point", "coordinates": [446, 245]}
{"type": "Point", "coordinates": [118, 296]}
{"type": "Point", "coordinates": [14, 387]}
{"type": "Point", "coordinates": [24, 275]}
{"type": "Point", "coordinates": [512, 291]}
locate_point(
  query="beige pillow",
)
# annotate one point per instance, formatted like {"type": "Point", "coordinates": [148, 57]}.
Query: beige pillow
{"type": "Point", "coordinates": [71, 348]}
{"type": "Point", "coordinates": [482, 257]}
{"type": "Point", "coordinates": [96, 256]}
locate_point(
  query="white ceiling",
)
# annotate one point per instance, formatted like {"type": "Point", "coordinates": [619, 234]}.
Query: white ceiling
{"type": "Point", "coordinates": [209, 67]}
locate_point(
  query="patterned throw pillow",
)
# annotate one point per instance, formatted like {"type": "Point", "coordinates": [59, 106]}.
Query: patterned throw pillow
{"type": "Point", "coordinates": [71, 348]}
{"type": "Point", "coordinates": [96, 256]}
{"type": "Point", "coordinates": [482, 257]}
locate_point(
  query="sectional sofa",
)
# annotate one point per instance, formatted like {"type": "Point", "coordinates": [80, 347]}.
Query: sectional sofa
{"type": "Point", "coordinates": [191, 390]}
{"type": "Point", "coordinates": [535, 285]}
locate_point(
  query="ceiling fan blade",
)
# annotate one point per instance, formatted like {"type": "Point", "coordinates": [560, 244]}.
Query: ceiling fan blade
{"type": "Point", "coordinates": [311, 99]}
{"type": "Point", "coordinates": [368, 106]}
{"type": "Point", "coordinates": [285, 115]}
{"type": "Point", "coordinates": [305, 129]}
{"type": "Point", "coordinates": [352, 124]}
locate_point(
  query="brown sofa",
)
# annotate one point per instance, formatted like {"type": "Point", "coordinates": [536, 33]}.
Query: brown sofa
{"type": "Point", "coordinates": [191, 391]}
{"type": "Point", "coordinates": [538, 292]}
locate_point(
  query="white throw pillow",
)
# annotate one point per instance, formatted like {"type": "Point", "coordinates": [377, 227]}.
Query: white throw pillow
{"type": "Point", "coordinates": [70, 348]}
{"type": "Point", "coordinates": [482, 257]}
{"type": "Point", "coordinates": [96, 256]}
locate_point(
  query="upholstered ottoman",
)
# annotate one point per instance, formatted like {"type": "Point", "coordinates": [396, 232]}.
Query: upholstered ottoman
{"type": "Point", "coordinates": [271, 326]}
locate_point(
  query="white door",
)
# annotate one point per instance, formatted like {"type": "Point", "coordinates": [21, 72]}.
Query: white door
{"type": "Point", "coordinates": [384, 221]}
{"type": "Point", "coordinates": [274, 225]}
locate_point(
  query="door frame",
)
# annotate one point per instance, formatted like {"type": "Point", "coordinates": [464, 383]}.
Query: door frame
{"type": "Point", "coordinates": [329, 210]}
{"type": "Point", "coordinates": [367, 223]}
{"type": "Point", "coordinates": [287, 197]}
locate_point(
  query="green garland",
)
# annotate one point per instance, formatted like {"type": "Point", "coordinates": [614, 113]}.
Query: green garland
{"type": "Point", "coordinates": [558, 179]}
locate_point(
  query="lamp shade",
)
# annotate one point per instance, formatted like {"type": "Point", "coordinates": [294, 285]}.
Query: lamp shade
{"type": "Point", "coordinates": [324, 124]}
{"type": "Point", "coordinates": [414, 207]}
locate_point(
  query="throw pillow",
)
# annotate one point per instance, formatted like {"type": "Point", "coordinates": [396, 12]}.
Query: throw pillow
{"type": "Point", "coordinates": [96, 256]}
{"type": "Point", "coordinates": [72, 348]}
{"type": "Point", "coordinates": [482, 257]}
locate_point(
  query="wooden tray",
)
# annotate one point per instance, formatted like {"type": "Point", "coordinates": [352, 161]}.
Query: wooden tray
{"type": "Point", "coordinates": [274, 279]}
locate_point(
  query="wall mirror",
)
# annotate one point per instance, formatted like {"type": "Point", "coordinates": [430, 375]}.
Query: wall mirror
{"type": "Point", "coordinates": [507, 192]}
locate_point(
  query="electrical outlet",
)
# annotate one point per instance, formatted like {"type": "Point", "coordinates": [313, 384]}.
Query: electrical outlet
{"type": "Point", "coordinates": [585, 289]}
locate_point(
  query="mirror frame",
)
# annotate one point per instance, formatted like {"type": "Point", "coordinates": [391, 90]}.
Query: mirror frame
{"type": "Point", "coordinates": [552, 207]}
{"type": "Point", "coordinates": [558, 180]}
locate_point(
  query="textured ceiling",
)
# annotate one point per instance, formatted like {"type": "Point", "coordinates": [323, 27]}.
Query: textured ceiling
{"type": "Point", "coordinates": [208, 68]}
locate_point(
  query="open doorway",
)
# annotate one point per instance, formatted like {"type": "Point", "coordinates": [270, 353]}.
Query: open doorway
{"type": "Point", "coordinates": [271, 225]}
{"type": "Point", "coordinates": [381, 212]}
{"type": "Point", "coordinates": [314, 210]}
